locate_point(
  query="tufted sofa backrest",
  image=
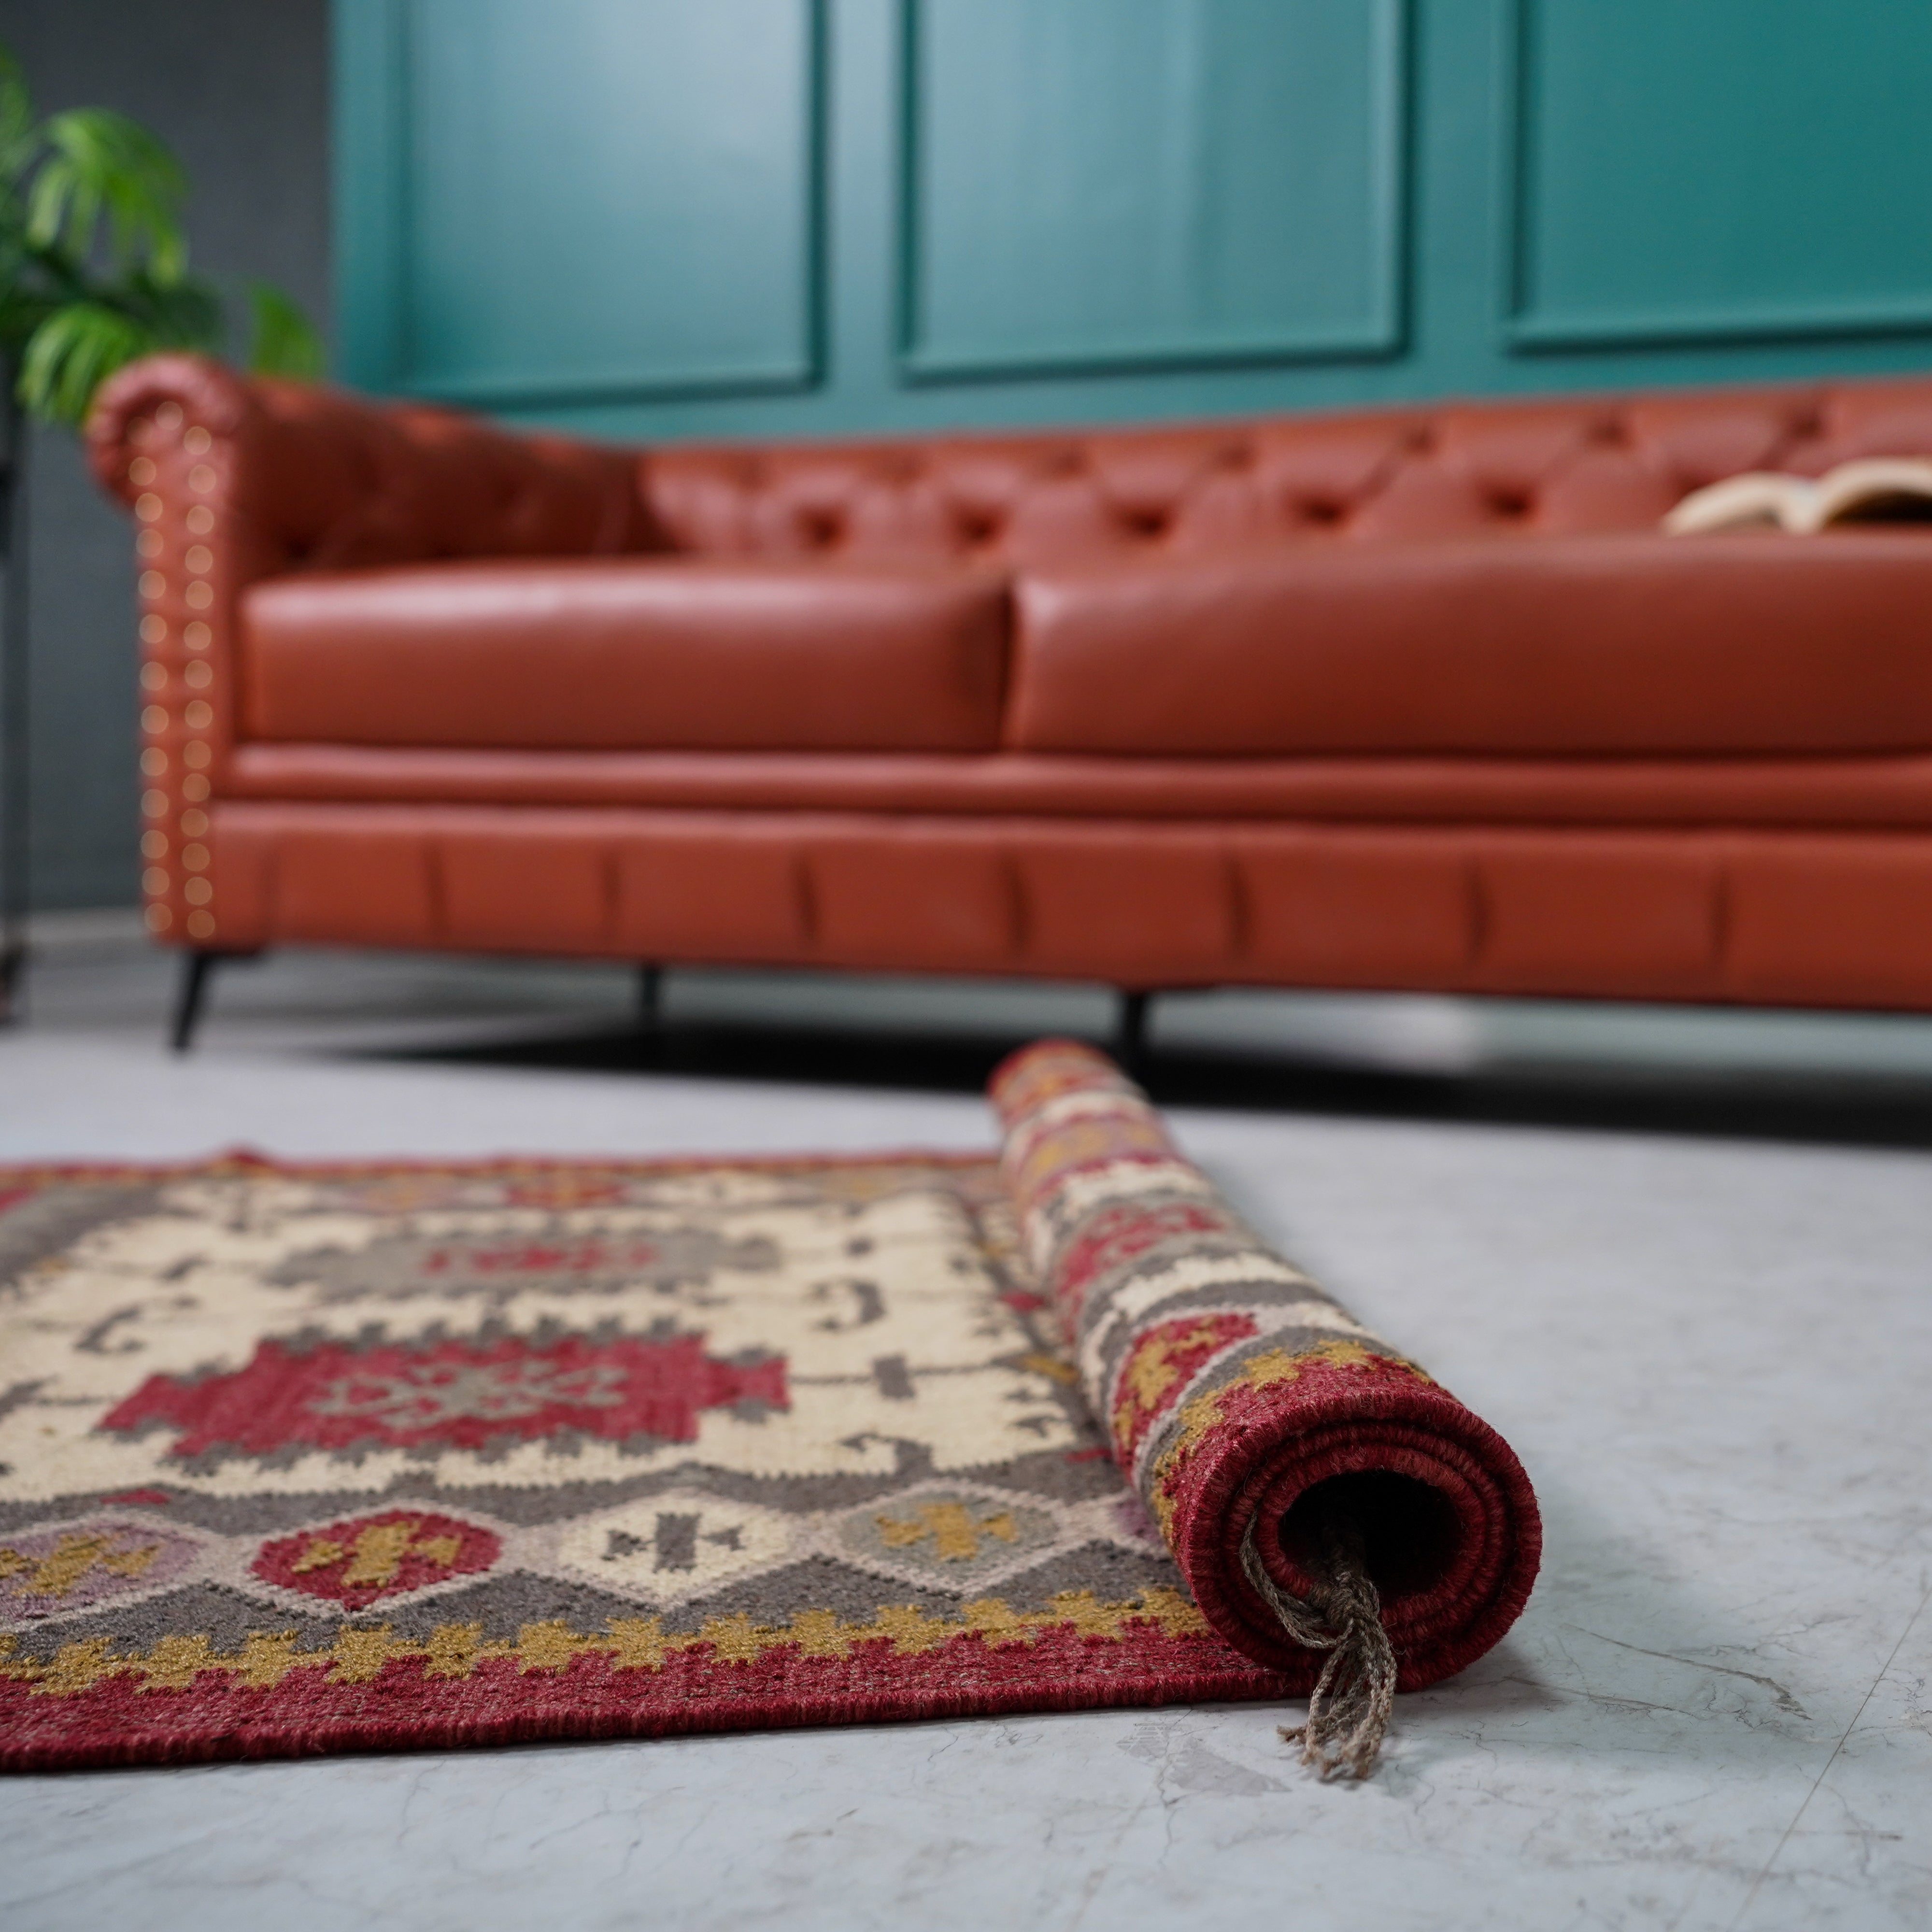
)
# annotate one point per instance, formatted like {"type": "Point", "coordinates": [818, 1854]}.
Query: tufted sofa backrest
{"type": "Point", "coordinates": [1458, 469]}
{"type": "Point", "coordinates": [318, 478]}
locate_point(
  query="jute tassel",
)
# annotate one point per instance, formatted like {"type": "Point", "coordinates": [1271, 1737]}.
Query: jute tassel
{"type": "Point", "coordinates": [1349, 1708]}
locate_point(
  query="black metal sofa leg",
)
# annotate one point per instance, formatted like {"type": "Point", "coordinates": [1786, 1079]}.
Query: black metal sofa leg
{"type": "Point", "coordinates": [13, 979]}
{"type": "Point", "coordinates": [1130, 1036]}
{"type": "Point", "coordinates": [650, 998]}
{"type": "Point", "coordinates": [196, 968]}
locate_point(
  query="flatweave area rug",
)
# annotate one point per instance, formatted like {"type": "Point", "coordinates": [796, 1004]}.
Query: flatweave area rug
{"type": "Point", "coordinates": [296, 1459]}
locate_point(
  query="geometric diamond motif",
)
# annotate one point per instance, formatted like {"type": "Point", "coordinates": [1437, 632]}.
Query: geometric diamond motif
{"type": "Point", "coordinates": [61, 1568]}
{"type": "Point", "coordinates": [450, 1393]}
{"type": "Point", "coordinates": [669, 1548]}
{"type": "Point", "coordinates": [363, 1559]}
{"type": "Point", "coordinates": [952, 1536]}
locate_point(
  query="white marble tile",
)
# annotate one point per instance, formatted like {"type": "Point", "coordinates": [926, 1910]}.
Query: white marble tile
{"type": "Point", "coordinates": [1858, 1851]}
{"type": "Point", "coordinates": [1712, 1356]}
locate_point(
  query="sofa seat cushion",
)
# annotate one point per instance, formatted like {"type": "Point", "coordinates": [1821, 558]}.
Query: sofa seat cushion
{"type": "Point", "coordinates": [1631, 643]}
{"type": "Point", "coordinates": [610, 654]}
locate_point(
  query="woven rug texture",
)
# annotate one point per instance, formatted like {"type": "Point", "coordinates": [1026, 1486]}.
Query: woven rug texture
{"type": "Point", "coordinates": [296, 1459]}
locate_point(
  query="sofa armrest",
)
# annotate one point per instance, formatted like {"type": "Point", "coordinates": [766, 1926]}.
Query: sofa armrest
{"type": "Point", "coordinates": [233, 479]}
{"type": "Point", "coordinates": [310, 478]}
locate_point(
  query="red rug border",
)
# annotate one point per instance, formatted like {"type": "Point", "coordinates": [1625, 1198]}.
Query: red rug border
{"type": "Point", "coordinates": [701, 1696]}
{"type": "Point", "coordinates": [237, 1161]}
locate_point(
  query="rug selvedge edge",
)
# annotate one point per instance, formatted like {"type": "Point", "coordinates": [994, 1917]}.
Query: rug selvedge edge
{"type": "Point", "coordinates": [182, 1700]}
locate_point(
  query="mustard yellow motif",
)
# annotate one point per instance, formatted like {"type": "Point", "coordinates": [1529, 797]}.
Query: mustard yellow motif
{"type": "Point", "coordinates": [1152, 1372]}
{"type": "Point", "coordinates": [630, 1643]}
{"type": "Point", "coordinates": [377, 1552]}
{"type": "Point", "coordinates": [1051, 1366]}
{"type": "Point", "coordinates": [1269, 1369]}
{"type": "Point", "coordinates": [955, 1531]}
{"type": "Point", "coordinates": [70, 1560]}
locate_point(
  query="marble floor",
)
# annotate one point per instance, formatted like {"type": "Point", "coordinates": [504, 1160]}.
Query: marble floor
{"type": "Point", "coordinates": [1683, 1261]}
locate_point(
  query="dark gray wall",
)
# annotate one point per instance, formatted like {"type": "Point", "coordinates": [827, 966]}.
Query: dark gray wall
{"type": "Point", "coordinates": [239, 89]}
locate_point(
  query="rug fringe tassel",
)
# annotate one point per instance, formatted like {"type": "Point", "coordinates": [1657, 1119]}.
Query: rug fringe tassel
{"type": "Point", "coordinates": [1349, 1708]}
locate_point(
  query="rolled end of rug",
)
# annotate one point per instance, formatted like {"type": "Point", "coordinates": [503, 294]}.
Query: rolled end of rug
{"type": "Point", "coordinates": [1297, 1449]}
{"type": "Point", "coordinates": [1286, 1453]}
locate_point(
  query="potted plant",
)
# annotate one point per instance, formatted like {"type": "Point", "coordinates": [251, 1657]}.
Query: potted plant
{"type": "Point", "coordinates": [94, 273]}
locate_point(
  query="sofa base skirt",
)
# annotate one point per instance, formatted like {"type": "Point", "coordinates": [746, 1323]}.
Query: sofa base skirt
{"type": "Point", "coordinates": [1772, 917]}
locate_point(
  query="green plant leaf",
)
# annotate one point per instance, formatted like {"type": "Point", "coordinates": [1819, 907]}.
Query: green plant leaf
{"type": "Point", "coordinates": [21, 295]}
{"type": "Point", "coordinates": [72, 353]}
{"type": "Point", "coordinates": [19, 142]}
{"type": "Point", "coordinates": [284, 343]}
{"type": "Point", "coordinates": [186, 314]}
{"type": "Point", "coordinates": [22, 311]}
{"type": "Point", "coordinates": [102, 168]}
{"type": "Point", "coordinates": [94, 261]}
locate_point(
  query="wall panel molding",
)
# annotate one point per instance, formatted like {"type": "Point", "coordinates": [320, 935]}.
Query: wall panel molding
{"type": "Point", "coordinates": [1076, 175]}
{"type": "Point", "coordinates": [1679, 174]}
{"type": "Point", "coordinates": [509, 238]}
{"type": "Point", "coordinates": [1435, 217]}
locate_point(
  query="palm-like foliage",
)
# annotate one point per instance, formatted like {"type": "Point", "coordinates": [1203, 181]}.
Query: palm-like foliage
{"type": "Point", "coordinates": [94, 268]}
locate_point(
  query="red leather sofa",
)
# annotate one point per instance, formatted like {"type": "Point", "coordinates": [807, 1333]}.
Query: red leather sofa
{"type": "Point", "coordinates": [1415, 697]}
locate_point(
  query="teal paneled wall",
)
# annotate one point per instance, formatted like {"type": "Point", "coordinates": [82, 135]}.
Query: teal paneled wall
{"type": "Point", "coordinates": [1720, 169]}
{"type": "Point", "coordinates": [585, 200]}
{"type": "Point", "coordinates": [649, 218]}
{"type": "Point", "coordinates": [1237, 199]}
{"type": "Point", "coordinates": [580, 152]}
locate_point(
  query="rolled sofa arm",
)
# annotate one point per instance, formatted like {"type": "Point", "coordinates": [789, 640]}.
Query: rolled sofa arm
{"type": "Point", "coordinates": [233, 479]}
